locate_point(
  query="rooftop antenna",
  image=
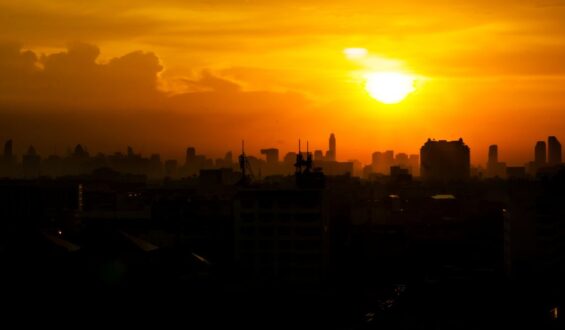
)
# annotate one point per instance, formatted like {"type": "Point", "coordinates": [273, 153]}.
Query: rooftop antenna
{"type": "Point", "coordinates": [246, 171]}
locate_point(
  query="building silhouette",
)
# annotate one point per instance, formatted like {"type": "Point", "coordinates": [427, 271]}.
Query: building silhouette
{"type": "Point", "coordinates": [318, 155]}
{"type": "Point", "coordinates": [445, 160]}
{"type": "Point", "coordinates": [494, 167]}
{"type": "Point", "coordinates": [493, 154]}
{"type": "Point", "coordinates": [540, 152]}
{"type": "Point", "coordinates": [331, 153]}
{"type": "Point", "coordinates": [414, 161]}
{"type": "Point", "coordinates": [31, 163]}
{"type": "Point", "coordinates": [190, 154]}
{"type": "Point", "coordinates": [554, 151]}
{"type": "Point", "coordinates": [271, 155]}
{"type": "Point", "coordinates": [8, 160]}
{"type": "Point", "coordinates": [9, 149]}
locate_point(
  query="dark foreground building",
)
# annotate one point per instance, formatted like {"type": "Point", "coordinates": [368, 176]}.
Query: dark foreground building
{"type": "Point", "coordinates": [445, 161]}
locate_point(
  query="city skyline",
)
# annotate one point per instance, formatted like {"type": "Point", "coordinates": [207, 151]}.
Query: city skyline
{"type": "Point", "coordinates": [438, 160]}
{"type": "Point", "coordinates": [180, 155]}
{"type": "Point", "coordinates": [163, 79]}
{"type": "Point", "coordinates": [284, 164]}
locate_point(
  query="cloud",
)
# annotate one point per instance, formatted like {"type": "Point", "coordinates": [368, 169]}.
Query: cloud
{"type": "Point", "coordinates": [209, 82]}
{"type": "Point", "coordinates": [74, 79]}
{"type": "Point", "coordinates": [71, 95]}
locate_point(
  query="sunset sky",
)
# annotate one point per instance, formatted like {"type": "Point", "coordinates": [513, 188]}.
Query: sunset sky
{"type": "Point", "coordinates": [164, 75]}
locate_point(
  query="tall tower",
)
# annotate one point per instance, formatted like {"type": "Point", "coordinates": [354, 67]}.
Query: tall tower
{"type": "Point", "coordinates": [493, 154]}
{"type": "Point", "coordinates": [554, 151]}
{"type": "Point", "coordinates": [332, 150]}
{"type": "Point", "coordinates": [540, 157]}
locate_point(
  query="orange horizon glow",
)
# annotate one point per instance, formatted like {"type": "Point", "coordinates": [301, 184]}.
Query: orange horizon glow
{"type": "Point", "coordinates": [161, 77]}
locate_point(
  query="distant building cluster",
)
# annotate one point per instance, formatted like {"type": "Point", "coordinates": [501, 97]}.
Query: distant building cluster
{"type": "Point", "coordinates": [439, 160]}
{"type": "Point", "coordinates": [547, 157]}
{"type": "Point", "coordinates": [80, 161]}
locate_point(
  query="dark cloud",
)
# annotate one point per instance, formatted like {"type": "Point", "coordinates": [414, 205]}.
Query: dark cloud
{"type": "Point", "coordinates": [74, 79]}
{"type": "Point", "coordinates": [70, 96]}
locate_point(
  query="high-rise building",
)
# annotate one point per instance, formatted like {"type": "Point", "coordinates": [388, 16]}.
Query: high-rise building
{"type": "Point", "coordinates": [401, 160]}
{"type": "Point", "coordinates": [445, 160]}
{"type": "Point", "coordinates": [414, 164]}
{"type": "Point", "coordinates": [540, 153]}
{"type": "Point", "coordinates": [271, 155]}
{"type": "Point", "coordinates": [331, 154]}
{"type": "Point", "coordinates": [318, 155]}
{"type": "Point", "coordinates": [493, 154]}
{"type": "Point", "coordinates": [554, 151]}
{"type": "Point", "coordinates": [290, 158]}
{"type": "Point", "coordinates": [494, 167]}
{"type": "Point", "coordinates": [80, 152]}
{"type": "Point", "coordinates": [388, 161]}
{"type": "Point", "coordinates": [8, 149]}
{"type": "Point", "coordinates": [190, 154]}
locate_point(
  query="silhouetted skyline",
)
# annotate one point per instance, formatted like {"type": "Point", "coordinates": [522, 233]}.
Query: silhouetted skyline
{"type": "Point", "coordinates": [436, 157]}
{"type": "Point", "coordinates": [317, 164]}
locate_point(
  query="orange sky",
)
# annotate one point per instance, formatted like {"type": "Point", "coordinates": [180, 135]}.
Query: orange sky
{"type": "Point", "coordinates": [164, 75]}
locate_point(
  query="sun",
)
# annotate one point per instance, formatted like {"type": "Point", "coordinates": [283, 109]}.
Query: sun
{"type": "Point", "coordinates": [389, 87]}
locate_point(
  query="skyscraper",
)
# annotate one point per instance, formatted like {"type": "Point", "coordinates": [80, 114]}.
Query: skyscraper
{"type": "Point", "coordinates": [540, 153]}
{"type": "Point", "coordinates": [445, 160]}
{"type": "Point", "coordinates": [331, 155]}
{"type": "Point", "coordinates": [554, 151]}
{"type": "Point", "coordinates": [492, 160]}
{"type": "Point", "coordinates": [494, 167]}
{"type": "Point", "coordinates": [8, 149]}
{"type": "Point", "coordinates": [493, 154]}
{"type": "Point", "coordinates": [190, 154]}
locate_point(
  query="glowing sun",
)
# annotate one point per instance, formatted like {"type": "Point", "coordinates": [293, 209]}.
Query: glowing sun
{"type": "Point", "coordinates": [389, 87]}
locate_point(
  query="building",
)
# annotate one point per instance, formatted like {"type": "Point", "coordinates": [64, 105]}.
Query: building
{"type": "Point", "coordinates": [271, 155]}
{"type": "Point", "coordinates": [494, 167]}
{"type": "Point", "coordinates": [516, 172]}
{"type": "Point", "coordinates": [554, 151]}
{"type": "Point", "coordinates": [9, 149]}
{"type": "Point", "coordinates": [331, 154]}
{"type": "Point", "coordinates": [8, 161]}
{"type": "Point", "coordinates": [318, 155]}
{"type": "Point", "coordinates": [376, 159]}
{"type": "Point", "coordinates": [336, 168]}
{"type": "Point", "coordinates": [281, 235]}
{"type": "Point", "coordinates": [493, 154]}
{"type": "Point", "coordinates": [540, 158]}
{"type": "Point", "coordinates": [31, 163]}
{"type": "Point", "coordinates": [190, 154]}
{"type": "Point", "coordinates": [402, 160]}
{"type": "Point", "coordinates": [414, 161]}
{"type": "Point", "coordinates": [445, 160]}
